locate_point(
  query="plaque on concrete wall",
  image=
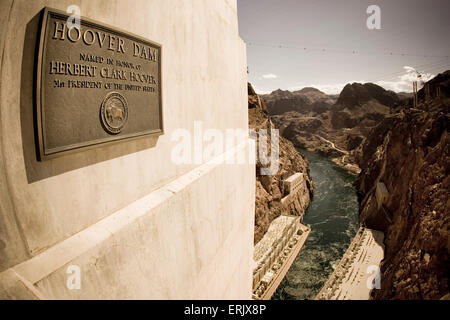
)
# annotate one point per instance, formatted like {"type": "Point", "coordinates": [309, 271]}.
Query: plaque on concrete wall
{"type": "Point", "coordinates": [95, 85]}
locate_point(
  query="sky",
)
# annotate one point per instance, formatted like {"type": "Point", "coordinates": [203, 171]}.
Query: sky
{"type": "Point", "coordinates": [326, 44]}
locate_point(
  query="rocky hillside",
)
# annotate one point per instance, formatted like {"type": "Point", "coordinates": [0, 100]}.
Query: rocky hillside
{"type": "Point", "coordinates": [409, 154]}
{"type": "Point", "coordinates": [333, 127]}
{"type": "Point", "coordinates": [307, 101]}
{"type": "Point", "coordinates": [269, 189]}
{"type": "Point", "coordinates": [357, 94]}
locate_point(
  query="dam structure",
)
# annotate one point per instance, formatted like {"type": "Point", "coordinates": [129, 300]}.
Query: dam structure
{"type": "Point", "coordinates": [292, 186]}
{"type": "Point", "coordinates": [275, 253]}
{"type": "Point", "coordinates": [92, 203]}
{"type": "Point", "coordinates": [358, 271]}
{"type": "Point", "coordinates": [277, 250]}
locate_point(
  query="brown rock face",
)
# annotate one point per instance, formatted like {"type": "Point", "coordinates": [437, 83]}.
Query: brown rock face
{"type": "Point", "coordinates": [343, 119]}
{"type": "Point", "coordinates": [356, 94]}
{"type": "Point", "coordinates": [269, 189]}
{"type": "Point", "coordinates": [410, 153]}
{"type": "Point", "coordinates": [353, 141]}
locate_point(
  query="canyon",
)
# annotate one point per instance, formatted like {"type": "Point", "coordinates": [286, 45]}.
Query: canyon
{"type": "Point", "coordinates": [400, 154]}
{"type": "Point", "coordinates": [331, 125]}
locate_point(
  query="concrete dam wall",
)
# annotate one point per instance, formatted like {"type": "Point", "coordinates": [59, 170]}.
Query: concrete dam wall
{"type": "Point", "coordinates": [122, 216]}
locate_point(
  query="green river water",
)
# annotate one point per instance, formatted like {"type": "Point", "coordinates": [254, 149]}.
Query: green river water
{"type": "Point", "coordinates": [333, 216]}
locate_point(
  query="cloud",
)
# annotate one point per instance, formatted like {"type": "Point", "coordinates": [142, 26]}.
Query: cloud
{"type": "Point", "coordinates": [258, 91]}
{"type": "Point", "coordinates": [269, 76]}
{"type": "Point", "coordinates": [404, 82]}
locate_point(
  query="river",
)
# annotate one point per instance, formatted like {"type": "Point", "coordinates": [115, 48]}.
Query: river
{"type": "Point", "coordinates": [333, 216]}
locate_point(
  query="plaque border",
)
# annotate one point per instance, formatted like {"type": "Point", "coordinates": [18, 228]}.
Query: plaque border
{"type": "Point", "coordinates": [43, 152]}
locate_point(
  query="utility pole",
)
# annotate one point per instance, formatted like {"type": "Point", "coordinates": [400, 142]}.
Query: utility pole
{"type": "Point", "coordinates": [419, 78]}
{"type": "Point", "coordinates": [415, 94]}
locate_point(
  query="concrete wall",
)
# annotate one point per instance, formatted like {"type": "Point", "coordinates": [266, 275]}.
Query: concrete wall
{"type": "Point", "coordinates": [138, 225]}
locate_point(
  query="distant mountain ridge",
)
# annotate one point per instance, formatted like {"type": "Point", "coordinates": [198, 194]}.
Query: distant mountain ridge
{"type": "Point", "coordinates": [305, 100]}
{"type": "Point", "coordinates": [331, 125]}
{"type": "Point", "coordinates": [309, 99]}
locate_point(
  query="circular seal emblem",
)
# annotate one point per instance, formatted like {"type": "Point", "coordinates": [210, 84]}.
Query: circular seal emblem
{"type": "Point", "coordinates": [114, 113]}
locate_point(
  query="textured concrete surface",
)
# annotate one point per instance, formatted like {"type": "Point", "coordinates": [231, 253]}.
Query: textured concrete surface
{"type": "Point", "coordinates": [356, 273]}
{"type": "Point", "coordinates": [83, 208]}
{"type": "Point", "coordinates": [275, 253]}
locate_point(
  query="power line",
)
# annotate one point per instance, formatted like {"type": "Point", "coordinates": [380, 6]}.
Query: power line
{"type": "Point", "coordinates": [430, 67]}
{"type": "Point", "coordinates": [424, 68]}
{"type": "Point", "coordinates": [346, 51]}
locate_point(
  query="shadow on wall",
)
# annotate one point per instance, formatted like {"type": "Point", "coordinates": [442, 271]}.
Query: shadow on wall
{"type": "Point", "coordinates": [37, 170]}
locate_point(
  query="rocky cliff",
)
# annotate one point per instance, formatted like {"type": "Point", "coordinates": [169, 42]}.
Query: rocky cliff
{"type": "Point", "coordinates": [356, 94]}
{"type": "Point", "coordinates": [269, 188]}
{"type": "Point", "coordinates": [404, 189]}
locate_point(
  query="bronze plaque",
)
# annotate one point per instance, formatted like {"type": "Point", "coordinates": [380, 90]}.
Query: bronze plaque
{"type": "Point", "coordinates": [95, 85]}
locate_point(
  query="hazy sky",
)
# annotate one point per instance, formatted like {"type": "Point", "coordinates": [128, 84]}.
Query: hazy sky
{"type": "Point", "coordinates": [408, 27]}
